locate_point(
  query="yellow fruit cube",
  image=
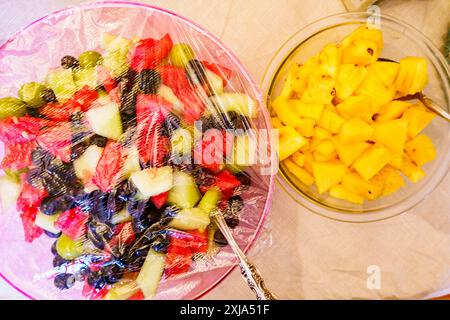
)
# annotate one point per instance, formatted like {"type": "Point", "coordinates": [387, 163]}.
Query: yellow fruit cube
{"type": "Point", "coordinates": [366, 32]}
{"type": "Point", "coordinates": [355, 130]}
{"type": "Point", "coordinates": [320, 157]}
{"type": "Point", "coordinates": [308, 161]}
{"type": "Point", "coordinates": [276, 122]}
{"type": "Point", "coordinates": [349, 78]}
{"type": "Point", "coordinates": [413, 172]}
{"type": "Point", "coordinates": [417, 119]}
{"type": "Point", "coordinates": [361, 52]}
{"type": "Point", "coordinates": [298, 158]}
{"type": "Point", "coordinates": [396, 160]}
{"type": "Point", "coordinates": [348, 153]}
{"type": "Point", "coordinates": [319, 90]}
{"type": "Point", "coordinates": [356, 106]}
{"type": "Point", "coordinates": [392, 110]}
{"type": "Point", "coordinates": [328, 174]}
{"type": "Point", "coordinates": [331, 121]}
{"type": "Point", "coordinates": [378, 93]}
{"type": "Point", "coordinates": [388, 179]}
{"type": "Point", "coordinates": [354, 183]}
{"type": "Point", "coordinates": [299, 77]}
{"type": "Point", "coordinates": [386, 71]}
{"type": "Point", "coordinates": [308, 110]}
{"type": "Point", "coordinates": [306, 127]}
{"type": "Point", "coordinates": [321, 134]}
{"type": "Point", "coordinates": [372, 161]}
{"type": "Point", "coordinates": [413, 76]}
{"type": "Point", "coordinates": [286, 112]}
{"type": "Point", "coordinates": [325, 147]}
{"type": "Point", "coordinates": [420, 149]}
{"type": "Point", "coordinates": [330, 59]}
{"type": "Point", "coordinates": [299, 172]}
{"type": "Point", "coordinates": [340, 192]}
{"type": "Point", "coordinates": [289, 142]}
{"type": "Point", "coordinates": [392, 134]}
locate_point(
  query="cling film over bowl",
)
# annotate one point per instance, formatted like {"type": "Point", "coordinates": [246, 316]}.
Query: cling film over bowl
{"type": "Point", "coordinates": [125, 129]}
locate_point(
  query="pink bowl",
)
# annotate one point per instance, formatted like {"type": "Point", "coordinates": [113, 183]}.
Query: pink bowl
{"type": "Point", "coordinates": [29, 54]}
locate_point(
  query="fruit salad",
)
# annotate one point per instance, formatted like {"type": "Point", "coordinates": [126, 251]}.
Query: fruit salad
{"type": "Point", "coordinates": [98, 156]}
{"type": "Point", "coordinates": [347, 127]}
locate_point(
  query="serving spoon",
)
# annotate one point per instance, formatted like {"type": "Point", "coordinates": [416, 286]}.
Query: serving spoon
{"type": "Point", "coordinates": [427, 102]}
{"type": "Point", "coordinates": [248, 270]}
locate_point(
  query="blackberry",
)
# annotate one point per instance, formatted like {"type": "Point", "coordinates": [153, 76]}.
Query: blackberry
{"type": "Point", "coordinates": [112, 272]}
{"type": "Point", "coordinates": [96, 280]}
{"type": "Point", "coordinates": [195, 72]}
{"type": "Point", "coordinates": [96, 239]}
{"type": "Point", "coordinates": [51, 234]}
{"type": "Point", "coordinates": [243, 178]}
{"type": "Point", "coordinates": [34, 112]}
{"type": "Point", "coordinates": [99, 141]}
{"type": "Point", "coordinates": [82, 273]}
{"type": "Point", "coordinates": [233, 210]}
{"type": "Point", "coordinates": [219, 239]}
{"type": "Point", "coordinates": [58, 261]}
{"type": "Point", "coordinates": [69, 62]}
{"type": "Point", "coordinates": [34, 177]}
{"type": "Point", "coordinates": [64, 281]}
{"type": "Point", "coordinates": [48, 95]}
{"type": "Point", "coordinates": [77, 150]}
{"type": "Point", "coordinates": [149, 81]}
{"type": "Point", "coordinates": [40, 157]}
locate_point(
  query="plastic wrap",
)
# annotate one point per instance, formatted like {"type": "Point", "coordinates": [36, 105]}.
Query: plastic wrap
{"type": "Point", "coordinates": [117, 159]}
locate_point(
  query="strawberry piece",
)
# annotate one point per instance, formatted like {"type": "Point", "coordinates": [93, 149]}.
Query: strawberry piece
{"type": "Point", "coordinates": [152, 145]}
{"type": "Point", "coordinates": [194, 105]}
{"type": "Point", "coordinates": [174, 77]}
{"type": "Point", "coordinates": [109, 168]}
{"type": "Point", "coordinates": [226, 181]}
{"type": "Point", "coordinates": [151, 109]}
{"type": "Point", "coordinates": [160, 200]}
{"type": "Point", "coordinates": [150, 52]}
{"type": "Point", "coordinates": [209, 152]}
{"type": "Point", "coordinates": [18, 156]}
{"type": "Point", "coordinates": [199, 242]}
{"type": "Point", "coordinates": [72, 223]}
{"type": "Point", "coordinates": [57, 111]}
{"type": "Point", "coordinates": [31, 231]}
{"type": "Point", "coordinates": [224, 73]}
{"type": "Point", "coordinates": [114, 95]}
{"type": "Point", "coordinates": [29, 197]}
{"type": "Point", "coordinates": [94, 294]}
{"type": "Point", "coordinates": [57, 140]}
{"type": "Point", "coordinates": [105, 78]}
{"type": "Point", "coordinates": [83, 98]}
{"type": "Point", "coordinates": [18, 130]}
{"type": "Point", "coordinates": [137, 296]}
{"type": "Point", "coordinates": [179, 257]}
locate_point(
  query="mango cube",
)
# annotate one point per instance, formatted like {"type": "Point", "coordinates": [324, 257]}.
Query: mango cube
{"type": "Point", "coordinates": [392, 134]}
{"type": "Point", "coordinates": [328, 174]}
{"type": "Point", "coordinates": [421, 150]}
{"type": "Point", "coordinates": [372, 161]}
{"type": "Point", "coordinates": [355, 130]}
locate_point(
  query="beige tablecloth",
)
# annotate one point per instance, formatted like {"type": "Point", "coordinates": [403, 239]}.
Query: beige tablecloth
{"type": "Point", "coordinates": [313, 257]}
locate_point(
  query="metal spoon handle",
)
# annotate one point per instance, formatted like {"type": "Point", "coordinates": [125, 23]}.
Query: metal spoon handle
{"type": "Point", "coordinates": [248, 270]}
{"type": "Point", "coordinates": [430, 104]}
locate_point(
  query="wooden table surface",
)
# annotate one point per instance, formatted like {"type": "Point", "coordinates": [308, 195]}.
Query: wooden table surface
{"type": "Point", "coordinates": [254, 29]}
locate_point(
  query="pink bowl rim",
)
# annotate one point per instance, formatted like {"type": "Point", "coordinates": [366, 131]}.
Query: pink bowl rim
{"type": "Point", "coordinates": [236, 61]}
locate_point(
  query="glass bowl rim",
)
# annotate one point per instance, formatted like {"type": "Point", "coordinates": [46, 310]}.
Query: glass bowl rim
{"type": "Point", "coordinates": [285, 51]}
{"type": "Point", "coordinates": [67, 11]}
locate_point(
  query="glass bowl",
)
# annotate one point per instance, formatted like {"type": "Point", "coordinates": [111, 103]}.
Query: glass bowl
{"type": "Point", "coordinates": [400, 40]}
{"type": "Point", "coordinates": [29, 54]}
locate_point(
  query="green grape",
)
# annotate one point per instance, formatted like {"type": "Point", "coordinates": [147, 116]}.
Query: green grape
{"type": "Point", "coordinates": [210, 200]}
{"type": "Point", "coordinates": [67, 248]}
{"type": "Point", "coordinates": [89, 59]}
{"type": "Point", "coordinates": [11, 107]}
{"type": "Point", "coordinates": [180, 54]}
{"type": "Point", "coordinates": [31, 94]}
{"type": "Point", "coordinates": [14, 175]}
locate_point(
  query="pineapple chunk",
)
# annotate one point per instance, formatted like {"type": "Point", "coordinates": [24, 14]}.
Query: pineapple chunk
{"type": "Point", "coordinates": [417, 119]}
{"type": "Point", "coordinates": [321, 134]}
{"type": "Point", "coordinates": [356, 106]}
{"type": "Point", "coordinates": [330, 59]}
{"type": "Point", "coordinates": [421, 150]}
{"type": "Point", "coordinates": [308, 110]}
{"type": "Point", "coordinates": [388, 180]}
{"type": "Point", "coordinates": [328, 174]}
{"type": "Point", "coordinates": [392, 134]}
{"type": "Point", "coordinates": [276, 122]}
{"type": "Point", "coordinates": [298, 158]}
{"type": "Point", "coordinates": [361, 52]}
{"type": "Point", "coordinates": [287, 90]}
{"type": "Point", "coordinates": [396, 160]}
{"type": "Point", "coordinates": [354, 183]}
{"type": "Point", "coordinates": [306, 127]}
{"type": "Point", "coordinates": [392, 110]}
{"type": "Point", "coordinates": [286, 112]}
{"type": "Point", "coordinates": [413, 172]}
{"type": "Point", "coordinates": [308, 161]}
{"type": "Point", "coordinates": [348, 153]}
{"type": "Point", "coordinates": [378, 93]}
{"type": "Point", "coordinates": [331, 121]}
{"type": "Point", "coordinates": [366, 32]}
{"type": "Point", "coordinates": [299, 77]}
{"type": "Point", "coordinates": [413, 75]}
{"type": "Point", "coordinates": [372, 161]}
{"type": "Point", "coordinates": [320, 89]}
{"type": "Point", "coordinates": [349, 78]}
{"type": "Point", "coordinates": [325, 147]}
{"type": "Point", "coordinates": [299, 172]}
{"type": "Point", "coordinates": [385, 71]}
{"type": "Point", "coordinates": [289, 142]}
{"type": "Point", "coordinates": [340, 192]}
{"type": "Point", "coordinates": [355, 130]}
{"type": "Point", "coordinates": [320, 157]}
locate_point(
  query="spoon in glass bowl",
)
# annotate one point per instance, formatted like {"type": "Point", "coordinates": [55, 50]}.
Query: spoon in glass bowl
{"type": "Point", "coordinates": [248, 270]}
